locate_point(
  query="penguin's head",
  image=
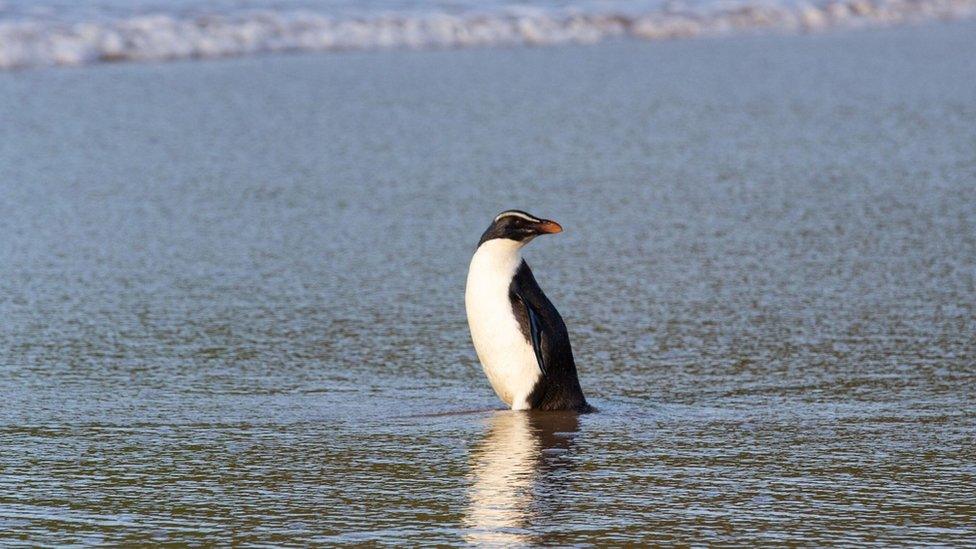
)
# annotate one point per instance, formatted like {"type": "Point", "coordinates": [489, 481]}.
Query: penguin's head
{"type": "Point", "coordinates": [518, 226]}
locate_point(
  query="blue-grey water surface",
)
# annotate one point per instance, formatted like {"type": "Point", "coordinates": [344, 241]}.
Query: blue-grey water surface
{"type": "Point", "coordinates": [231, 295]}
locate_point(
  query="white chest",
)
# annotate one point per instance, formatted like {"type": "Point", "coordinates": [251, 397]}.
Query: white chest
{"type": "Point", "coordinates": [507, 358]}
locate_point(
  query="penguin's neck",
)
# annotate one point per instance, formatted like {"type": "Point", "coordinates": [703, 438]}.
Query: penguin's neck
{"type": "Point", "coordinates": [499, 257]}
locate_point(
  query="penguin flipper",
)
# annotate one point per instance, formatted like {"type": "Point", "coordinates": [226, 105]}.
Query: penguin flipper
{"type": "Point", "coordinates": [535, 326]}
{"type": "Point", "coordinates": [542, 326]}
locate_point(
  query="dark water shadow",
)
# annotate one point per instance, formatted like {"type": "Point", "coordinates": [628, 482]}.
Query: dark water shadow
{"type": "Point", "coordinates": [457, 413]}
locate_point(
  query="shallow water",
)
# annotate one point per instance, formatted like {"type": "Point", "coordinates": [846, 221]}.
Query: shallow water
{"type": "Point", "coordinates": [232, 295]}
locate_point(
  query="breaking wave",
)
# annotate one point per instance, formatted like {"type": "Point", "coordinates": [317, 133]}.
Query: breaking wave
{"type": "Point", "coordinates": [163, 36]}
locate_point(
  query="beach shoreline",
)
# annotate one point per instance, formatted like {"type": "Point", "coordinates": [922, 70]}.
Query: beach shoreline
{"type": "Point", "coordinates": [161, 36]}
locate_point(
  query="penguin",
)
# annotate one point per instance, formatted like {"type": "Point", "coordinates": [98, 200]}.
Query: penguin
{"type": "Point", "coordinates": [519, 336]}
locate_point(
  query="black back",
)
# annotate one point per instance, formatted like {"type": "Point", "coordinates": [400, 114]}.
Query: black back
{"type": "Point", "coordinates": [540, 322]}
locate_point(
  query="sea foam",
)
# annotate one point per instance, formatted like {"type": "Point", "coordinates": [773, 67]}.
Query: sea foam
{"type": "Point", "coordinates": [166, 36]}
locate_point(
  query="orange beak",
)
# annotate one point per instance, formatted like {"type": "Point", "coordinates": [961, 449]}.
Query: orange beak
{"type": "Point", "coordinates": [550, 227]}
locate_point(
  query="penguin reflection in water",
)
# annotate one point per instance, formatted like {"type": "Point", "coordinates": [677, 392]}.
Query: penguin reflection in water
{"type": "Point", "coordinates": [516, 474]}
{"type": "Point", "coordinates": [519, 336]}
